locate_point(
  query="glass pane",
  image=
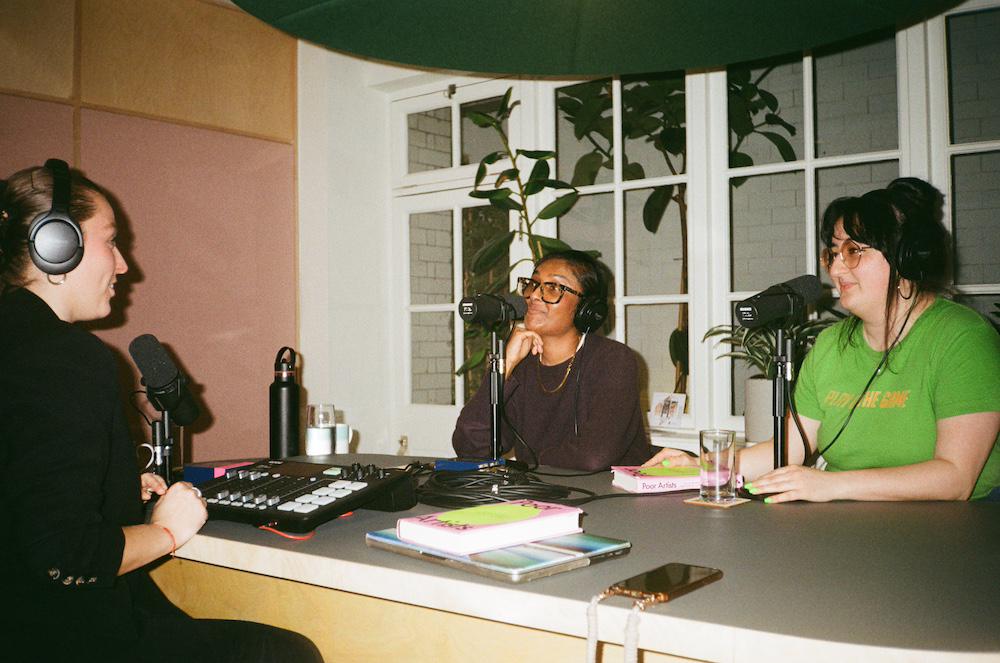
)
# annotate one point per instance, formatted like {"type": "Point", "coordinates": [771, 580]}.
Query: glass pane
{"type": "Point", "coordinates": [431, 258]}
{"type": "Point", "coordinates": [767, 230]}
{"type": "Point", "coordinates": [590, 225]}
{"type": "Point", "coordinates": [856, 108]}
{"type": "Point", "coordinates": [481, 225]}
{"type": "Point", "coordinates": [478, 141]}
{"type": "Point", "coordinates": [432, 359]}
{"type": "Point", "coordinates": [653, 126]}
{"type": "Point", "coordinates": [988, 306]}
{"type": "Point", "coordinates": [974, 75]}
{"type": "Point", "coordinates": [976, 200]}
{"type": "Point", "coordinates": [584, 144]}
{"type": "Point", "coordinates": [833, 183]}
{"type": "Point", "coordinates": [767, 94]}
{"type": "Point", "coordinates": [428, 140]}
{"type": "Point", "coordinates": [648, 330]}
{"type": "Point", "coordinates": [654, 261]}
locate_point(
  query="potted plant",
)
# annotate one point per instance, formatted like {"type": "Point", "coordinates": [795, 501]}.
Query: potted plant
{"type": "Point", "coordinates": [756, 348]}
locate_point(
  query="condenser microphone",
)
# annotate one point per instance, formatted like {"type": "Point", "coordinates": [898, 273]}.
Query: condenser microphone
{"type": "Point", "coordinates": [166, 387]}
{"type": "Point", "coordinates": [779, 302]}
{"type": "Point", "coordinates": [490, 309]}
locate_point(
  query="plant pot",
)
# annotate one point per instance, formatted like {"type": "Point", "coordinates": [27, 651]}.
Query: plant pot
{"type": "Point", "coordinates": [757, 416]}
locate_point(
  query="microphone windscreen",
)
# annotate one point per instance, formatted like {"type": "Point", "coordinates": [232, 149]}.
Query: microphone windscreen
{"type": "Point", "coordinates": [807, 286]}
{"type": "Point", "coordinates": [153, 362]}
{"type": "Point", "coordinates": [517, 303]}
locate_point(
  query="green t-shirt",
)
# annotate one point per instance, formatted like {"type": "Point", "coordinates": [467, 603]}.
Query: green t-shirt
{"type": "Point", "coordinates": [947, 365]}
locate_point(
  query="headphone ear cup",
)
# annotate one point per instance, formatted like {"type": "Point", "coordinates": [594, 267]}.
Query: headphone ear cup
{"type": "Point", "coordinates": [916, 255]}
{"type": "Point", "coordinates": [590, 314]}
{"type": "Point", "coordinates": [55, 243]}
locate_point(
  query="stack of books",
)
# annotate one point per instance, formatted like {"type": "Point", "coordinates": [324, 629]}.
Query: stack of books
{"type": "Point", "coordinates": [512, 541]}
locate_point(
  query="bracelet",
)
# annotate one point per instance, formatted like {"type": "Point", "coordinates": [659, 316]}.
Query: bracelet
{"type": "Point", "coordinates": [173, 541]}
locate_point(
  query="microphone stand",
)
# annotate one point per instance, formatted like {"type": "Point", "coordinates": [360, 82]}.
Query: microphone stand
{"type": "Point", "coordinates": [162, 445]}
{"type": "Point", "coordinates": [497, 367]}
{"type": "Point", "coordinates": [784, 364]}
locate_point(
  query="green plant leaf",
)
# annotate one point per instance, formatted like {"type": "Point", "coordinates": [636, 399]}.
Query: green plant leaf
{"type": "Point", "coordinates": [587, 168]}
{"type": "Point", "coordinates": [673, 139]}
{"type": "Point", "coordinates": [784, 147]}
{"type": "Point", "coordinates": [588, 115]}
{"type": "Point", "coordinates": [491, 194]}
{"type": "Point", "coordinates": [559, 206]}
{"type": "Point", "coordinates": [557, 184]}
{"type": "Point", "coordinates": [493, 157]}
{"type": "Point", "coordinates": [774, 120]}
{"type": "Point", "coordinates": [655, 206]}
{"type": "Point", "coordinates": [505, 102]}
{"type": "Point", "coordinates": [549, 245]}
{"type": "Point", "coordinates": [506, 204]}
{"type": "Point", "coordinates": [740, 121]}
{"type": "Point", "coordinates": [508, 175]}
{"type": "Point", "coordinates": [490, 252]}
{"type": "Point", "coordinates": [739, 160]}
{"type": "Point", "coordinates": [539, 172]}
{"type": "Point", "coordinates": [477, 358]}
{"type": "Point", "coordinates": [480, 174]}
{"type": "Point", "coordinates": [533, 187]}
{"type": "Point", "coordinates": [769, 99]}
{"type": "Point", "coordinates": [633, 171]}
{"type": "Point", "coordinates": [482, 119]}
{"type": "Point", "coordinates": [678, 346]}
{"type": "Point", "coordinates": [537, 154]}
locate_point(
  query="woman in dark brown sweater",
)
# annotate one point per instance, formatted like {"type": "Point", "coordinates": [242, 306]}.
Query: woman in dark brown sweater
{"type": "Point", "coordinates": [572, 395]}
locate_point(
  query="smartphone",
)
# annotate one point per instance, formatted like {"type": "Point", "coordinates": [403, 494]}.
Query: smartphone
{"type": "Point", "coordinates": [665, 582]}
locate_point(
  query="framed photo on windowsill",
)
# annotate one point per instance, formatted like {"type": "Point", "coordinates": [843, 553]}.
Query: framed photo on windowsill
{"type": "Point", "coordinates": [667, 411]}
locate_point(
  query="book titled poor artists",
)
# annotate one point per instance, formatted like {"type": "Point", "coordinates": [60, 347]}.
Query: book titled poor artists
{"type": "Point", "coordinates": [490, 526]}
{"type": "Point", "coordinates": [656, 479]}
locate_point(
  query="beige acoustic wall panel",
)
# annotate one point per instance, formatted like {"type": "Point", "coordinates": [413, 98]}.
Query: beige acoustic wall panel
{"type": "Point", "coordinates": [36, 46]}
{"type": "Point", "coordinates": [190, 61]}
{"type": "Point", "coordinates": [209, 231]}
{"type": "Point", "coordinates": [32, 131]}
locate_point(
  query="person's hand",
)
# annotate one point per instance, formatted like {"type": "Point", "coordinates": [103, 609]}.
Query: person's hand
{"type": "Point", "coordinates": [795, 482]}
{"type": "Point", "coordinates": [521, 343]}
{"type": "Point", "coordinates": [672, 458]}
{"type": "Point", "coordinates": [151, 483]}
{"type": "Point", "coordinates": [182, 510]}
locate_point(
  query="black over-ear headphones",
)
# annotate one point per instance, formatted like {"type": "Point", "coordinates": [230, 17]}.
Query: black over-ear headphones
{"type": "Point", "coordinates": [592, 310]}
{"type": "Point", "coordinates": [917, 251]}
{"type": "Point", "coordinates": [55, 241]}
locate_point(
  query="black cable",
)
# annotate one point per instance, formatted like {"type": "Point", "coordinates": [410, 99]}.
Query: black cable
{"type": "Point", "coordinates": [812, 460]}
{"type": "Point", "coordinates": [135, 406]}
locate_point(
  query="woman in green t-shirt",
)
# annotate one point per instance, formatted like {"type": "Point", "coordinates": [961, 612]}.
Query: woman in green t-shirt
{"type": "Point", "coordinates": [902, 399]}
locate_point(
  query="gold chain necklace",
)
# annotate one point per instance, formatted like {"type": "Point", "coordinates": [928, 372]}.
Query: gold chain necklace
{"type": "Point", "coordinates": [538, 375]}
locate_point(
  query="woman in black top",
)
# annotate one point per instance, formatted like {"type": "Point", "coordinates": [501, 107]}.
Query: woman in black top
{"type": "Point", "coordinates": [75, 543]}
{"type": "Point", "coordinates": [572, 395]}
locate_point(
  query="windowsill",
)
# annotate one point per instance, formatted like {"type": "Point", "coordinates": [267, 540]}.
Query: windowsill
{"type": "Point", "coordinates": [685, 440]}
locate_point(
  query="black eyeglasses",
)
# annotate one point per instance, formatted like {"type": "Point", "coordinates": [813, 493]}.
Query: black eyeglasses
{"type": "Point", "coordinates": [850, 253]}
{"type": "Point", "coordinates": [552, 293]}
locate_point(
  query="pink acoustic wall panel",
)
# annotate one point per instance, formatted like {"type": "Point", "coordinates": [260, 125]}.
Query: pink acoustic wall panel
{"type": "Point", "coordinates": [210, 237]}
{"type": "Point", "coordinates": [32, 131]}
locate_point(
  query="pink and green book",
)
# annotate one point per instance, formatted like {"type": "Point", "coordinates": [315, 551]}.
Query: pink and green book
{"type": "Point", "coordinates": [656, 479]}
{"type": "Point", "coordinates": [490, 526]}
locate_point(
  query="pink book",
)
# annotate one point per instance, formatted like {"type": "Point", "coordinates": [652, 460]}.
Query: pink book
{"type": "Point", "coordinates": [656, 479]}
{"type": "Point", "coordinates": [490, 526]}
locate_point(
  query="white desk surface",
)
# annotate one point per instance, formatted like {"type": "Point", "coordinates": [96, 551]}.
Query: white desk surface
{"type": "Point", "coordinates": [818, 582]}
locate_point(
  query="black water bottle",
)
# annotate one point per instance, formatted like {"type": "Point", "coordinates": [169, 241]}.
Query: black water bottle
{"type": "Point", "coordinates": [284, 407]}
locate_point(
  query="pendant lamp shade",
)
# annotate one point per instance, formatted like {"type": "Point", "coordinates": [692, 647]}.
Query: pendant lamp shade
{"type": "Point", "coordinates": [582, 37]}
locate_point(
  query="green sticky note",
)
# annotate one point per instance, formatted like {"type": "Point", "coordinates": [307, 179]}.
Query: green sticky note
{"type": "Point", "coordinates": [489, 514]}
{"type": "Point", "coordinates": [669, 471]}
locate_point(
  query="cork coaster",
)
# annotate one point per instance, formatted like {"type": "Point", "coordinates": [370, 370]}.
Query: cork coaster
{"type": "Point", "coordinates": [728, 504]}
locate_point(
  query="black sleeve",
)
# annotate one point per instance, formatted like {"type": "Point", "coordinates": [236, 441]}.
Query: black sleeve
{"type": "Point", "coordinates": [56, 424]}
{"type": "Point", "coordinates": [472, 437]}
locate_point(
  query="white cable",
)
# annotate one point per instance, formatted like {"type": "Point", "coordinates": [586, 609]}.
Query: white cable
{"type": "Point", "coordinates": [631, 644]}
{"type": "Point", "coordinates": [592, 628]}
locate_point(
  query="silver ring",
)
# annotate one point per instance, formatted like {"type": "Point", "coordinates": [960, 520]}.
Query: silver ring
{"type": "Point", "coordinates": [196, 490]}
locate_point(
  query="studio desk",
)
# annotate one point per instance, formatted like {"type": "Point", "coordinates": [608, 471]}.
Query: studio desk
{"type": "Point", "coordinates": [802, 582]}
